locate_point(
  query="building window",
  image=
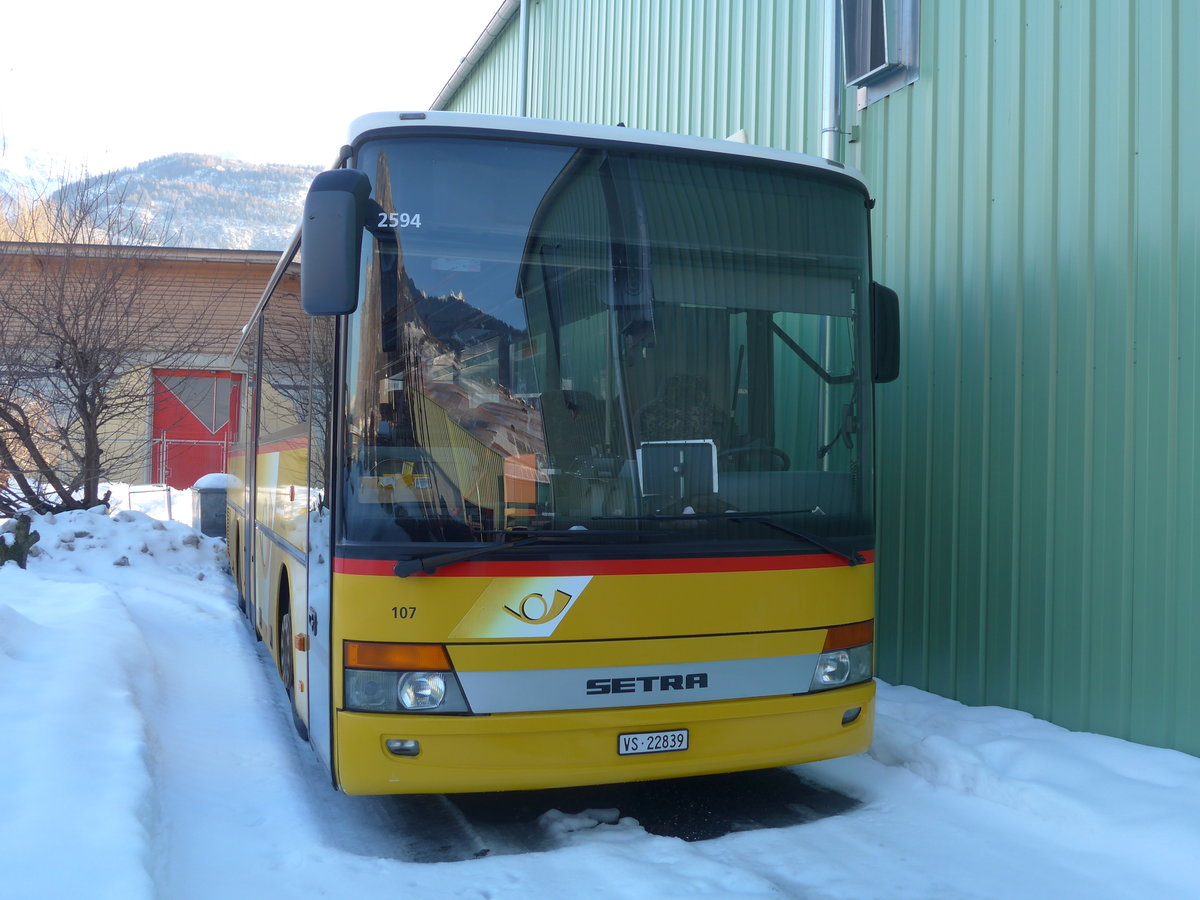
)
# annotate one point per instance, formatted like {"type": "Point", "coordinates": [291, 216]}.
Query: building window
{"type": "Point", "coordinates": [880, 43]}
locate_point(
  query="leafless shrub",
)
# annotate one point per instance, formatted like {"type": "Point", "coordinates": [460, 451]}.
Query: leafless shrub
{"type": "Point", "coordinates": [83, 321]}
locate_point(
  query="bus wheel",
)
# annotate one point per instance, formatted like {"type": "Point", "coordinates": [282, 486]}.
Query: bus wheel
{"type": "Point", "coordinates": [287, 671]}
{"type": "Point", "coordinates": [236, 567]}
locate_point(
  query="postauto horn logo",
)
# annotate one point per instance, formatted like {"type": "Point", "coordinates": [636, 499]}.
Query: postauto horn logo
{"type": "Point", "coordinates": [536, 610]}
{"type": "Point", "coordinates": [521, 607]}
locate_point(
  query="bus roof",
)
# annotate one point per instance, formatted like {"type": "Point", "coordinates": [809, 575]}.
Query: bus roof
{"type": "Point", "coordinates": [531, 127]}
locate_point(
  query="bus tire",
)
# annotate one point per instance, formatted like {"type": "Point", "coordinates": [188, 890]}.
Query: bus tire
{"type": "Point", "coordinates": [236, 566]}
{"type": "Point", "coordinates": [287, 670]}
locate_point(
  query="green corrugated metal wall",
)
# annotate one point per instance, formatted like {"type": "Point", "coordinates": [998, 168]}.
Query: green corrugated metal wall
{"type": "Point", "coordinates": [492, 86]}
{"type": "Point", "coordinates": [1037, 214]}
{"type": "Point", "coordinates": [1040, 524]}
{"type": "Point", "coordinates": [703, 67]}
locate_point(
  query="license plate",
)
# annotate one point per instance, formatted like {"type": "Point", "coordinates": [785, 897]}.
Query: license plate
{"type": "Point", "coordinates": [652, 742]}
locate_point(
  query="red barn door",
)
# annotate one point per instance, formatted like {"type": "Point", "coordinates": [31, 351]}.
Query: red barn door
{"type": "Point", "coordinates": [195, 418]}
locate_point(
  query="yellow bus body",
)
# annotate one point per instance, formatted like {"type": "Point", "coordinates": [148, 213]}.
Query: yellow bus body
{"type": "Point", "coordinates": [729, 616]}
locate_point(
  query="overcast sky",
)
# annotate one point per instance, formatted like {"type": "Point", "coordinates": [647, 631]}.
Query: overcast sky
{"type": "Point", "coordinates": [110, 84]}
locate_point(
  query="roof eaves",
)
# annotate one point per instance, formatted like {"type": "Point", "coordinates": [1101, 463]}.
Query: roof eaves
{"type": "Point", "coordinates": [133, 251]}
{"type": "Point", "coordinates": [479, 49]}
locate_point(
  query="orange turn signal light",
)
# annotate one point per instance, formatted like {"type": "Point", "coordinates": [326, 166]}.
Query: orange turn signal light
{"type": "Point", "coordinates": [842, 637]}
{"type": "Point", "coordinates": [396, 657]}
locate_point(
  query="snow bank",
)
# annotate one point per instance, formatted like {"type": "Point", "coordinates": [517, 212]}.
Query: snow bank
{"type": "Point", "coordinates": [214, 481]}
{"type": "Point", "coordinates": [77, 677]}
{"type": "Point", "coordinates": [145, 751]}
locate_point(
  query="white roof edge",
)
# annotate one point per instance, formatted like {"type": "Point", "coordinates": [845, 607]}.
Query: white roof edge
{"type": "Point", "coordinates": [580, 130]}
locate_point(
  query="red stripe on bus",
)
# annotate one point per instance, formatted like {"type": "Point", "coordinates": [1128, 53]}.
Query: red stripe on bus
{"type": "Point", "coordinates": [498, 569]}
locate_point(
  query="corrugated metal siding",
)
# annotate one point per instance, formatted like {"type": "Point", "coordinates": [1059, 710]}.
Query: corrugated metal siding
{"type": "Point", "coordinates": [1039, 506]}
{"type": "Point", "coordinates": [1038, 457]}
{"type": "Point", "coordinates": [701, 67]}
{"type": "Point", "coordinates": [492, 87]}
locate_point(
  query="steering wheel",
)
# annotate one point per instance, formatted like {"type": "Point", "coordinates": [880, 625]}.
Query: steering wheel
{"type": "Point", "coordinates": [770, 458]}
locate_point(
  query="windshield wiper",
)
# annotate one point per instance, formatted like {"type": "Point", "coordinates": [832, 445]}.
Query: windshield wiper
{"type": "Point", "coordinates": [435, 560]}
{"type": "Point", "coordinates": [852, 557]}
{"type": "Point", "coordinates": [414, 565]}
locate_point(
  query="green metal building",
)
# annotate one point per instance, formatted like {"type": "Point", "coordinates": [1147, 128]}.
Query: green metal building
{"type": "Point", "coordinates": [1037, 212]}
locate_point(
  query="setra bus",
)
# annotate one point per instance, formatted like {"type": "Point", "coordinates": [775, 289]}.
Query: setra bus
{"type": "Point", "coordinates": [554, 460]}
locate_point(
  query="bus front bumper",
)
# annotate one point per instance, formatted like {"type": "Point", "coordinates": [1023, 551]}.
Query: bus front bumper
{"type": "Point", "coordinates": [529, 751]}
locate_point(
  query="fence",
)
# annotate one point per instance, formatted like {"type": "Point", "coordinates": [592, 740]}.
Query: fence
{"type": "Point", "coordinates": [160, 501]}
{"type": "Point", "coordinates": [183, 461]}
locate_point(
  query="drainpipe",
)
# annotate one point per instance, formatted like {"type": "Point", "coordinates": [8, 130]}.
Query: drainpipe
{"type": "Point", "coordinates": [483, 43]}
{"type": "Point", "coordinates": [831, 87]}
{"type": "Point", "coordinates": [523, 62]}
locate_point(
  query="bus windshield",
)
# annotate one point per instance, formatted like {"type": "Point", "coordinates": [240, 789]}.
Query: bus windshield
{"type": "Point", "coordinates": [662, 347]}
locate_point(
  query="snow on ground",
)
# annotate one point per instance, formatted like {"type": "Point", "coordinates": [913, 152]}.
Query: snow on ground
{"type": "Point", "coordinates": [145, 751]}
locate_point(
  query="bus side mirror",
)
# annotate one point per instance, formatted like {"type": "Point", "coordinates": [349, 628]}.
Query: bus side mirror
{"type": "Point", "coordinates": [885, 334]}
{"type": "Point", "coordinates": [331, 242]}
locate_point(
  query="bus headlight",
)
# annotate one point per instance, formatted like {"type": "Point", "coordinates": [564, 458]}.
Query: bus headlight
{"type": "Point", "coordinates": [838, 668]}
{"type": "Point", "coordinates": [846, 658]}
{"type": "Point", "coordinates": [421, 690]}
{"type": "Point", "coordinates": [367, 691]}
{"type": "Point", "coordinates": [400, 678]}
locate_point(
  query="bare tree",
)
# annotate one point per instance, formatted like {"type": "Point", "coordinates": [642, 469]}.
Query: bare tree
{"type": "Point", "coordinates": [83, 321]}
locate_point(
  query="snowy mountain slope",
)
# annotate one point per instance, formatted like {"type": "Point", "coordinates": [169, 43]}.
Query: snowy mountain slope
{"type": "Point", "coordinates": [206, 201]}
{"type": "Point", "coordinates": [198, 201]}
{"type": "Point", "coordinates": [22, 170]}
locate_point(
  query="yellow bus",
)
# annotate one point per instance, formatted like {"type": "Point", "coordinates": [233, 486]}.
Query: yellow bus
{"type": "Point", "coordinates": [555, 457]}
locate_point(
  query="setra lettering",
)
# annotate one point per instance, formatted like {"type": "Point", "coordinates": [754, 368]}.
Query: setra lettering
{"type": "Point", "coordinates": [634, 684]}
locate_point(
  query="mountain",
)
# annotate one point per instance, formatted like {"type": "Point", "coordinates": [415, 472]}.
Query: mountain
{"type": "Point", "coordinates": [21, 171]}
{"type": "Point", "coordinates": [199, 201]}
{"type": "Point", "coordinates": [206, 201]}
